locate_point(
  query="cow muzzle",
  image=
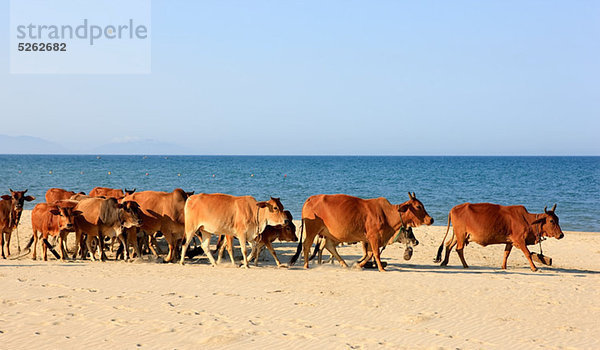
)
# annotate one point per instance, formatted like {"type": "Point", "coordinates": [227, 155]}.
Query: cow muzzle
{"type": "Point", "coordinates": [562, 235]}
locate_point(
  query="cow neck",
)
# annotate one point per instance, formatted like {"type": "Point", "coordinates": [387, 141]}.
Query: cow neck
{"type": "Point", "coordinates": [258, 228]}
{"type": "Point", "coordinates": [402, 224]}
{"type": "Point", "coordinates": [537, 231]}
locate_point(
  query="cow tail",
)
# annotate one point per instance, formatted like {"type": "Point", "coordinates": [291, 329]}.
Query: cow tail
{"type": "Point", "coordinates": [438, 257]}
{"type": "Point", "coordinates": [317, 248]}
{"type": "Point", "coordinates": [299, 248]}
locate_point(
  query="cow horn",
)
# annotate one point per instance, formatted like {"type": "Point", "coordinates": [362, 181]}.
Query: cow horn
{"type": "Point", "coordinates": [409, 195]}
{"type": "Point", "coordinates": [553, 208]}
{"type": "Point", "coordinates": [414, 196]}
{"type": "Point", "coordinates": [546, 209]}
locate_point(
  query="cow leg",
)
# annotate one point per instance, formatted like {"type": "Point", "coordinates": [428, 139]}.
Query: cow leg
{"type": "Point", "coordinates": [377, 254]}
{"type": "Point", "coordinates": [8, 235]}
{"type": "Point", "coordinates": [153, 245]}
{"type": "Point", "coordinates": [2, 244]}
{"type": "Point", "coordinates": [333, 250]}
{"type": "Point", "coordinates": [35, 242]}
{"type": "Point", "coordinates": [206, 248]}
{"type": "Point", "coordinates": [507, 249]}
{"type": "Point", "coordinates": [88, 243]}
{"type": "Point", "coordinates": [460, 246]}
{"type": "Point", "coordinates": [123, 239]}
{"type": "Point", "coordinates": [368, 256]}
{"type": "Point", "coordinates": [77, 243]}
{"type": "Point", "coordinates": [242, 239]}
{"type": "Point", "coordinates": [229, 245]}
{"type": "Point", "coordinates": [451, 243]}
{"type": "Point", "coordinates": [170, 242]}
{"type": "Point", "coordinates": [221, 248]}
{"type": "Point", "coordinates": [270, 248]}
{"type": "Point", "coordinates": [61, 242]}
{"type": "Point", "coordinates": [101, 246]}
{"type": "Point", "coordinates": [44, 248]}
{"type": "Point", "coordinates": [256, 252]}
{"type": "Point", "coordinates": [527, 253]}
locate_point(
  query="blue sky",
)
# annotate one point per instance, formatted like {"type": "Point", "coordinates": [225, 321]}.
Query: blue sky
{"type": "Point", "coordinates": [336, 77]}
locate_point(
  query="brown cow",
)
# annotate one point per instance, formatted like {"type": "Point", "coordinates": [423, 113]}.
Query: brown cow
{"type": "Point", "coordinates": [242, 217]}
{"type": "Point", "coordinates": [58, 194]}
{"type": "Point", "coordinates": [110, 192]}
{"type": "Point", "coordinates": [487, 223]}
{"type": "Point", "coordinates": [56, 219]}
{"type": "Point", "coordinates": [342, 218]}
{"type": "Point", "coordinates": [11, 208]}
{"type": "Point", "coordinates": [160, 211]}
{"type": "Point", "coordinates": [284, 233]}
{"type": "Point", "coordinates": [100, 217]}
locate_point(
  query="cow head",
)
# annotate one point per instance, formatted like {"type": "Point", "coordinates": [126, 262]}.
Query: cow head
{"type": "Point", "coordinates": [18, 198]}
{"type": "Point", "coordinates": [129, 214]}
{"type": "Point", "coordinates": [406, 237]}
{"type": "Point", "coordinates": [183, 193]}
{"type": "Point", "coordinates": [413, 212]}
{"type": "Point", "coordinates": [66, 212]}
{"type": "Point", "coordinates": [288, 232]}
{"type": "Point", "coordinates": [271, 212]}
{"type": "Point", "coordinates": [548, 222]}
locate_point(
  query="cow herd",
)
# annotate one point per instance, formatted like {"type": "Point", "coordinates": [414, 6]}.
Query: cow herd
{"type": "Point", "coordinates": [135, 220]}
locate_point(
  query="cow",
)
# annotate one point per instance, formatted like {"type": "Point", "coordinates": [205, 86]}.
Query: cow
{"type": "Point", "coordinates": [110, 192]}
{"type": "Point", "coordinates": [55, 219]}
{"type": "Point", "coordinates": [58, 194]}
{"type": "Point", "coordinates": [11, 208]}
{"type": "Point", "coordinates": [487, 223]}
{"type": "Point", "coordinates": [343, 218]}
{"type": "Point", "coordinates": [160, 212]}
{"type": "Point", "coordinates": [284, 233]}
{"type": "Point", "coordinates": [222, 214]}
{"type": "Point", "coordinates": [103, 217]}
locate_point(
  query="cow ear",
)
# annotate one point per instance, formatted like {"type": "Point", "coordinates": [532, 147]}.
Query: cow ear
{"type": "Point", "coordinates": [54, 211]}
{"type": "Point", "coordinates": [539, 221]}
{"type": "Point", "coordinates": [263, 204]}
{"type": "Point", "coordinates": [6, 197]}
{"type": "Point", "coordinates": [29, 198]}
{"type": "Point", "coordinates": [402, 208]}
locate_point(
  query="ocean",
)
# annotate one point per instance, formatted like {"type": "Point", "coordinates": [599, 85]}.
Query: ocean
{"type": "Point", "coordinates": [439, 182]}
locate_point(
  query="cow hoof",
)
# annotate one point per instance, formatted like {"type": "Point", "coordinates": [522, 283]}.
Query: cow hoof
{"type": "Point", "coordinates": [282, 266]}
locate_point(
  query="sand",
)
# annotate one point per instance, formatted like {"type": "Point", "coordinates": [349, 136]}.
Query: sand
{"type": "Point", "coordinates": [416, 304]}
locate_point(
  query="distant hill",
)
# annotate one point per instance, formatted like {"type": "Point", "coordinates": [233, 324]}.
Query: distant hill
{"type": "Point", "coordinates": [29, 145]}
{"type": "Point", "coordinates": [36, 145]}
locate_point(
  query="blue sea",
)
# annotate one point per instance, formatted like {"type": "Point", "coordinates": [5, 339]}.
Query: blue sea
{"type": "Point", "coordinates": [439, 182]}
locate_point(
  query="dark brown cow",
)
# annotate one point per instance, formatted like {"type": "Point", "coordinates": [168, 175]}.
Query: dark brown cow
{"type": "Point", "coordinates": [284, 233]}
{"type": "Point", "coordinates": [487, 223]}
{"type": "Point", "coordinates": [342, 218]}
{"type": "Point", "coordinates": [242, 217]}
{"type": "Point", "coordinates": [56, 219]}
{"type": "Point", "coordinates": [103, 217]}
{"type": "Point", "coordinates": [58, 194]}
{"type": "Point", "coordinates": [160, 211]}
{"type": "Point", "coordinates": [110, 192]}
{"type": "Point", "coordinates": [11, 208]}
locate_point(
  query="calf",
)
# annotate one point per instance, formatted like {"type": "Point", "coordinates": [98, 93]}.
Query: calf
{"type": "Point", "coordinates": [11, 208]}
{"type": "Point", "coordinates": [284, 233]}
{"type": "Point", "coordinates": [100, 217]}
{"type": "Point", "coordinates": [54, 219]}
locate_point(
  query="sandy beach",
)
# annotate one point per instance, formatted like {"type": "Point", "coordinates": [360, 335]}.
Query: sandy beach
{"type": "Point", "coordinates": [416, 304]}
